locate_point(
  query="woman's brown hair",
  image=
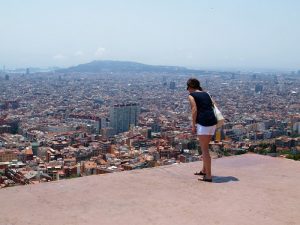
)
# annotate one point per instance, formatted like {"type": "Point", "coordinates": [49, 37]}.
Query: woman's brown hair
{"type": "Point", "coordinates": [194, 83]}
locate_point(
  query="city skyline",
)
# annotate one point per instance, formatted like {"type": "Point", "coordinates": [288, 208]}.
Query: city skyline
{"type": "Point", "coordinates": [71, 124]}
{"type": "Point", "coordinates": [202, 35]}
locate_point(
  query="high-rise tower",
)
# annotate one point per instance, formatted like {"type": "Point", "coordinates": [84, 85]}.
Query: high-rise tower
{"type": "Point", "coordinates": [172, 85]}
{"type": "Point", "coordinates": [124, 115]}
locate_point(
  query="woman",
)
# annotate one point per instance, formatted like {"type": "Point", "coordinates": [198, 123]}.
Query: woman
{"type": "Point", "coordinates": [203, 123]}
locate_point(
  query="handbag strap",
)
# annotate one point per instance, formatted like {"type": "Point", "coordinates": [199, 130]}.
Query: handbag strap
{"type": "Point", "coordinates": [213, 103]}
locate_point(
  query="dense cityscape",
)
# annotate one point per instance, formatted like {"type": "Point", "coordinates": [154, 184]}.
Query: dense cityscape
{"type": "Point", "coordinates": [58, 125]}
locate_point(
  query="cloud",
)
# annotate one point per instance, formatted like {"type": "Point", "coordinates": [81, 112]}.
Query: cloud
{"type": "Point", "coordinates": [100, 52]}
{"type": "Point", "coordinates": [59, 57]}
{"type": "Point", "coordinates": [79, 53]}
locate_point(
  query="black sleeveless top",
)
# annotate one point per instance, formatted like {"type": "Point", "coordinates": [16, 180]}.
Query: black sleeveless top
{"type": "Point", "coordinates": [205, 111]}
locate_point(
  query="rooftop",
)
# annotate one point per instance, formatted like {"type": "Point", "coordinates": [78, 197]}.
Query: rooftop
{"type": "Point", "coordinates": [247, 189]}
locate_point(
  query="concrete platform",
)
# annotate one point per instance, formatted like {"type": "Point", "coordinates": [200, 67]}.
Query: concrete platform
{"type": "Point", "coordinates": [247, 189]}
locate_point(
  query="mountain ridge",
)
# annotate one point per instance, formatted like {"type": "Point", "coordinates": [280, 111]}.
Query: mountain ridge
{"type": "Point", "coordinates": [125, 66]}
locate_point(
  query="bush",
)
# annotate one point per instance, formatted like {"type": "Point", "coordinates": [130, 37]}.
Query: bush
{"type": "Point", "coordinates": [263, 151]}
{"type": "Point", "coordinates": [264, 145]}
{"type": "Point", "coordinates": [240, 152]}
{"type": "Point", "coordinates": [294, 157]}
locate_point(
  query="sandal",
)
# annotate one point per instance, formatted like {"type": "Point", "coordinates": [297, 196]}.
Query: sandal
{"type": "Point", "coordinates": [205, 179]}
{"type": "Point", "coordinates": [200, 173]}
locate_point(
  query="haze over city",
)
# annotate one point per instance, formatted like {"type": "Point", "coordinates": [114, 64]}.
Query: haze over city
{"type": "Point", "coordinates": [196, 34]}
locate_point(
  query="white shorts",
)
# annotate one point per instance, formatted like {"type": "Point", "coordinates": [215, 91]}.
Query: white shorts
{"type": "Point", "coordinates": [202, 130]}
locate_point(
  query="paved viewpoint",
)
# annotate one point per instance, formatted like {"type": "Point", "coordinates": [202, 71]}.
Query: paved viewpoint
{"type": "Point", "coordinates": [247, 189]}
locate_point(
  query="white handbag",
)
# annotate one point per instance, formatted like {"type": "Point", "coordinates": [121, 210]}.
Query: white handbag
{"type": "Point", "coordinates": [219, 117]}
{"type": "Point", "coordinates": [218, 114]}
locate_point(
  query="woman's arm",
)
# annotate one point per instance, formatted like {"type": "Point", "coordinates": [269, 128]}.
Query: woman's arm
{"type": "Point", "coordinates": [194, 112]}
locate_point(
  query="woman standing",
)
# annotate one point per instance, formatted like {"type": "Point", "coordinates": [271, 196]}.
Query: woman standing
{"type": "Point", "coordinates": [203, 123]}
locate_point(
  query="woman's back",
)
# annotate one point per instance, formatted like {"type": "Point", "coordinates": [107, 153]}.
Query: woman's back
{"type": "Point", "coordinates": [205, 111]}
{"type": "Point", "coordinates": [203, 101]}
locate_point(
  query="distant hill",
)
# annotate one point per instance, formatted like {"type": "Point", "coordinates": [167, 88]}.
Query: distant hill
{"type": "Point", "coordinates": [124, 66]}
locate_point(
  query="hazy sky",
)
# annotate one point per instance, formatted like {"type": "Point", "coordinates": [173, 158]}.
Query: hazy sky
{"type": "Point", "coordinates": [193, 33]}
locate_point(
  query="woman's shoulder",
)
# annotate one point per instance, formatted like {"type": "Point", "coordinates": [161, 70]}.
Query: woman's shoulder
{"type": "Point", "coordinates": [198, 93]}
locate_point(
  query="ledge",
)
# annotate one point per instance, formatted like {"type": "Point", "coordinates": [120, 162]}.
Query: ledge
{"type": "Point", "coordinates": [247, 189]}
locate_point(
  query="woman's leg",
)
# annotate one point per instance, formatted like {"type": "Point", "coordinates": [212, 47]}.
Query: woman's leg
{"type": "Point", "coordinates": [203, 166]}
{"type": "Point", "coordinates": [204, 143]}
